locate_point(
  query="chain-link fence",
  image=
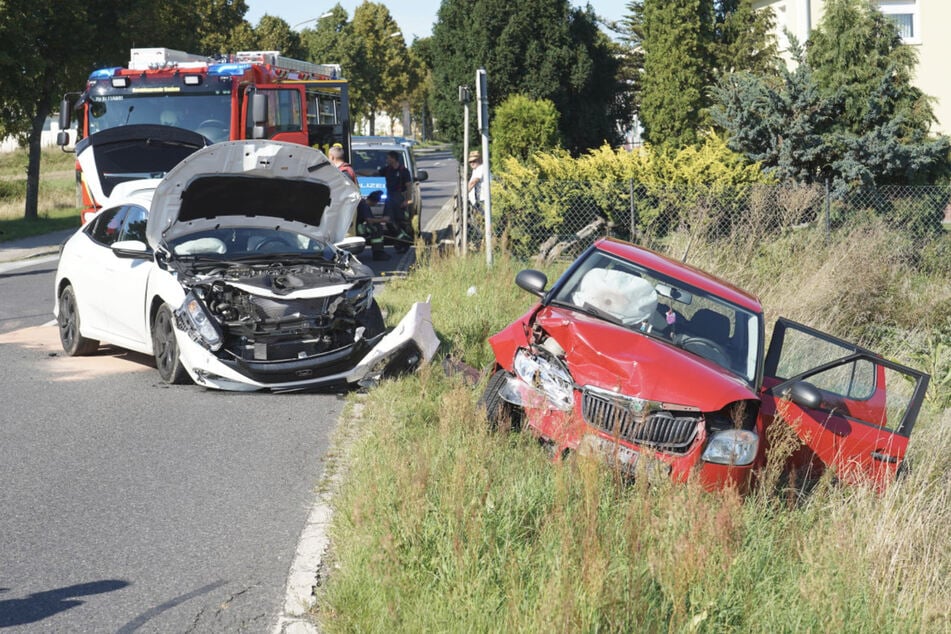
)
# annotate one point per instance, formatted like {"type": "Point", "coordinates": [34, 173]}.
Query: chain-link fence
{"type": "Point", "coordinates": [556, 219]}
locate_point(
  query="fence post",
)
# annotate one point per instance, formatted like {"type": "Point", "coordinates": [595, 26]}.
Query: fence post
{"type": "Point", "coordinates": [630, 183]}
{"type": "Point", "coordinates": [828, 213]}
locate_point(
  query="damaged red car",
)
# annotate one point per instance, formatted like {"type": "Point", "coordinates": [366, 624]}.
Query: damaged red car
{"type": "Point", "coordinates": [662, 368]}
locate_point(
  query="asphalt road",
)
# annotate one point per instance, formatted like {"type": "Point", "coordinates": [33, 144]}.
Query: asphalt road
{"type": "Point", "coordinates": [132, 506]}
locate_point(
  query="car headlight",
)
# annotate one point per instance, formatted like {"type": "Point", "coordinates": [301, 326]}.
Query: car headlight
{"type": "Point", "coordinates": [732, 447]}
{"type": "Point", "coordinates": [546, 375]}
{"type": "Point", "coordinates": [194, 319]}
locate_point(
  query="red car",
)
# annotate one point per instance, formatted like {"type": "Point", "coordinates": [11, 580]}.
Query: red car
{"type": "Point", "coordinates": [661, 367]}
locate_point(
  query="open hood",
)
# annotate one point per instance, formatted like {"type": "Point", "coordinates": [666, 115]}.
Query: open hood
{"type": "Point", "coordinates": [130, 153]}
{"type": "Point", "coordinates": [632, 363]}
{"type": "Point", "coordinates": [263, 184]}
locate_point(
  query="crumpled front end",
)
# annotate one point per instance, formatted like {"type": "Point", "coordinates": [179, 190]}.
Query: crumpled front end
{"type": "Point", "coordinates": [288, 328]}
{"type": "Point", "coordinates": [626, 416]}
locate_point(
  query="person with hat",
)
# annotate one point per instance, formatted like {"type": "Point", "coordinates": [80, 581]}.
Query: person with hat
{"type": "Point", "coordinates": [477, 180]}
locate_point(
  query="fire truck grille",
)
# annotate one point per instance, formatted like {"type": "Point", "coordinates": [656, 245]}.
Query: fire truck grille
{"type": "Point", "coordinates": [618, 416]}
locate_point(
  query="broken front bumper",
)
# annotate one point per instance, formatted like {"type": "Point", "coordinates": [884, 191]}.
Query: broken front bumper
{"type": "Point", "coordinates": [410, 343]}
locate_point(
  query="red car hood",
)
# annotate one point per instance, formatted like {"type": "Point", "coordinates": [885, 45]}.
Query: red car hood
{"type": "Point", "coordinates": [610, 357]}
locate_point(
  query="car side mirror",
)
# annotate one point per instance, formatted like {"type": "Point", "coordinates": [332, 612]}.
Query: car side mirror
{"type": "Point", "coordinates": [804, 394]}
{"type": "Point", "coordinates": [532, 281]}
{"type": "Point", "coordinates": [352, 244]}
{"type": "Point", "coordinates": [422, 175]}
{"type": "Point", "coordinates": [132, 249]}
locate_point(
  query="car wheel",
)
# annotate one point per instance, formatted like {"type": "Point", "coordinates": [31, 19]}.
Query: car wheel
{"type": "Point", "coordinates": [74, 344]}
{"type": "Point", "coordinates": [499, 413]}
{"type": "Point", "coordinates": [165, 348]}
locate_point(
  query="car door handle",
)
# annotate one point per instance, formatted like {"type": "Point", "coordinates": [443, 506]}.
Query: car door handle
{"type": "Point", "coordinates": [878, 455]}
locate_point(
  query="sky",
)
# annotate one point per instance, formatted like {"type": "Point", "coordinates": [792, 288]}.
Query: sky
{"type": "Point", "coordinates": [415, 17]}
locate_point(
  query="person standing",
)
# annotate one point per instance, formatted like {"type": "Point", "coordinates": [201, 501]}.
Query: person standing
{"type": "Point", "coordinates": [398, 181]}
{"type": "Point", "coordinates": [476, 180]}
{"type": "Point", "coordinates": [335, 153]}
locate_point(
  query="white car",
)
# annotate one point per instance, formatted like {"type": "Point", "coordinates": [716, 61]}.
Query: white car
{"type": "Point", "coordinates": [234, 270]}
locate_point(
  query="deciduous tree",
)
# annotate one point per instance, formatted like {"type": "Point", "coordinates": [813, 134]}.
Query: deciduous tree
{"type": "Point", "coordinates": [544, 49]}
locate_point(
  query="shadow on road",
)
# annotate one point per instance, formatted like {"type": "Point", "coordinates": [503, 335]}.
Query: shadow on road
{"type": "Point", "coordinates": [42, 605]}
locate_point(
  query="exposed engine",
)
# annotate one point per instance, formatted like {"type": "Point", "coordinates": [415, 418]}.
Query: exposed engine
{"type": "Point", "coordinates": [274, 325]}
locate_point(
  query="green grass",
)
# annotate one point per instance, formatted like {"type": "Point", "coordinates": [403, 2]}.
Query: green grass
{"type": "Point", "coordinates": [57, 196]}
{"type": "Point", "coordinates": [442, 526]}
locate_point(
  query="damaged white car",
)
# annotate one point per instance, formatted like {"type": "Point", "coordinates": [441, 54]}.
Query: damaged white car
{"type": "Point", "coordinates": [234, 271]}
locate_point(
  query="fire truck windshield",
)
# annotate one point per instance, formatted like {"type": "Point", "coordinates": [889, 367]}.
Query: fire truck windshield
{"type": "Point", "coordinates": [206, 114]}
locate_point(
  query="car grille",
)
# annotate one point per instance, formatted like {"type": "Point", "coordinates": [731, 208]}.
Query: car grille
{"type": "Point", "coordinates": [639, 422]}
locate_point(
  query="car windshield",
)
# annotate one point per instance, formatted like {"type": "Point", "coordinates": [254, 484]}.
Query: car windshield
{"type": "Point", "coordinates": [249, 243]}
{"type": "Point", "coordinates": [369, 161]}
{"type": "Point", "coordinates": [206, 114]}
{"type": "Point", "coordinates": [639, 299]}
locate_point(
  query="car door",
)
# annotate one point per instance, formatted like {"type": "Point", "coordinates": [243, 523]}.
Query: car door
{"type": "Point", "coordinates": [128, 279]}
{"type": "Point", "coordinates": [852, 410]}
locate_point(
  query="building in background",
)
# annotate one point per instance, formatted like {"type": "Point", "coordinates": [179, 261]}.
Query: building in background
{"type": "Point", "coordinates": [921, 24]}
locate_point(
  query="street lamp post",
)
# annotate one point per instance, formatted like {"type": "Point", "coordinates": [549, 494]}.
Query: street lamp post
{"type": "Point", "coordinates": [317, 19]}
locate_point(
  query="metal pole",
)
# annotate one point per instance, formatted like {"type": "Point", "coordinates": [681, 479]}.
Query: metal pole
{"type": "Point", "coordinates": [483, 96]}
{"type": "Point", "coordinates": [465, 179]}
{"type": "Point", "coordinates": [828, 213]}
{"type": "Point", "coordinates": [631, 187]}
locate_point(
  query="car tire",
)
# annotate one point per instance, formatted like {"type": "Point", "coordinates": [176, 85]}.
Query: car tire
{"type": "Point", "coordinates": [165, 348]}
{"type": "Point", "coordinates": [499, 413]}
{"type": "Point", "coordinates": [74, 344]}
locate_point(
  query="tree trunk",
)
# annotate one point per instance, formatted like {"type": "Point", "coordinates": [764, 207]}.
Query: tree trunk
{"type": "Point", "coordinates": [372, 123]}
{"type": "Point", "coordinates": [33, 165]}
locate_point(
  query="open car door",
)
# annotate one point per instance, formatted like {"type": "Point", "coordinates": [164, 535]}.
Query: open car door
{"type": "Point", "coordinates": [852, 409]}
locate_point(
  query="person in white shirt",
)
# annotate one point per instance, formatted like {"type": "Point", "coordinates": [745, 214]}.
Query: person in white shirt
{"type": "Point", "coordinates": [477, 179]}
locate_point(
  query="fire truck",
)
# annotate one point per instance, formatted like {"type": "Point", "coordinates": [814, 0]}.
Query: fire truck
{"type": "Point", "coordinates": [138, 122]}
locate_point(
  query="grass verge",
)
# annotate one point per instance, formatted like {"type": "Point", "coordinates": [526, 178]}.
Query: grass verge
{"type": "Point", "coordinates": [443, 526]}
{"type": "Point", "coordinates": [57, 196]}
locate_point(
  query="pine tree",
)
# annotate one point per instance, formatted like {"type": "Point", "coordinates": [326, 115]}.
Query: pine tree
{"type": "Point", "coordinates": [682, 47]}
{"type": "Point", "coordinates": [850, 51]}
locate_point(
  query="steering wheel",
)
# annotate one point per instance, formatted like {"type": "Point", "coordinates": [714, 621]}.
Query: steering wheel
{"type": "Point", "coordinates": [280, 242]}
{"type": "Point", "coordinates": [212, 123]}
{"type": "Point", "coordinates": [706, 348]}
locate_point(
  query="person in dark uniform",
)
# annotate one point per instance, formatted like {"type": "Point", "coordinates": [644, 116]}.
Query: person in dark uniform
{"type": "Point", "coordinates": [398, 182]}
{"type": "Point", "coordinates": [372, 227]}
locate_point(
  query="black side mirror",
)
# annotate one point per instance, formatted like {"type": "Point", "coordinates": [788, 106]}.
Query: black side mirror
{"type": "Point", "coordinates": [804, 394]}
{"type": "Point", "coordinates": [532, 281]}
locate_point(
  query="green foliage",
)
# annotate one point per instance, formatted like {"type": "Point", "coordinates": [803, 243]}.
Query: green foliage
{"type": "Point", "coordinates": [681, 47]}
{"type": "Point", "coordinates": [799, 131]}
{"type": "Point", "coordinates": [851, 50]}
{"type": "Point", "coordinates": [523, 126]}
{"type": "Point", "coordinates": [645, 191]}
{"type": "Point", "coordinates": [781, 123]}
{"type": "Point", "coordinates": [274, 34]}
{"type": "Point", "coordinates": [677, 38]}
{"type": "Point", "coordinates": [543, 49]}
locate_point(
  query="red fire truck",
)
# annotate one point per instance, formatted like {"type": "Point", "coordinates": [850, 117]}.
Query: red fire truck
{"type": "Point", "coordinates": [139, 122]}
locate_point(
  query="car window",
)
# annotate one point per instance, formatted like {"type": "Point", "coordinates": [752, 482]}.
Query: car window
{"type": "Point", "coordinates": [105, 227]}
{"type": "Point", "coordinates": [635, 297]}
{"type": "Point", "coordinates": [133, 227]}
{"type": "Point", "coordinates": [369, 161]}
